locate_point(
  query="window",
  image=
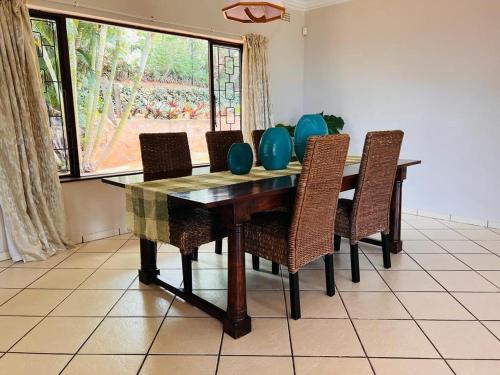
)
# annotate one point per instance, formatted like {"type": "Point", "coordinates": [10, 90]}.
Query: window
{"type": "Point", "coordinates": [127, 81]}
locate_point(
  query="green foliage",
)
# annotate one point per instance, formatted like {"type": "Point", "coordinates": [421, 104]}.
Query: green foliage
{"type": "Point", "coordinates": [335, 124]}
{"type": "Point", "coordinates": [289, 128]}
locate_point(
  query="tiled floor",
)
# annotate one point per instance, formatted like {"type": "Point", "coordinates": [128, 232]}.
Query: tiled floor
{"type": "Point", "coordinates": [437, 311]}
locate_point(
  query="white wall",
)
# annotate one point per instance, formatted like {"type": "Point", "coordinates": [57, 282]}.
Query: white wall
{"type": "Point", "coordinates": [429, 67]}
{"type": "Point", "coordinates": [95, 210]}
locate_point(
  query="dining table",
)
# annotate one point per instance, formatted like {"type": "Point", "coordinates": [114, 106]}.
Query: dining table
{"type": "Point", "coordinates": [234, 204]}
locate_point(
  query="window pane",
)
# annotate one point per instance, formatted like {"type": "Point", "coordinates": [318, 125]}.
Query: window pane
{"type": "Point", "coordinates": [131, 81]}
{"type": "Point", "coordinates": [227, 87]}
{"type": "Point", "coordinates": [45, 36]}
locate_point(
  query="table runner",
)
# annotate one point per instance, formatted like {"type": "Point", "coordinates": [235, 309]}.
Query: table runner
{"type": "Point", "coordinates": [146, 202]}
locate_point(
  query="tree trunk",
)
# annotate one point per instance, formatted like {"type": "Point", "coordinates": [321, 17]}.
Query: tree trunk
{"type": "Point", "coordinates": [73, 63]}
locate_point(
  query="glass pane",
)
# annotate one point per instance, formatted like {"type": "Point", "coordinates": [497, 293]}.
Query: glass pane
{"type": "Point", "coordinates": [45, 36]}
{"type": "Point", "coordinates": [227, 87]}
{"type": "Point", "coordinates": [130, 82]}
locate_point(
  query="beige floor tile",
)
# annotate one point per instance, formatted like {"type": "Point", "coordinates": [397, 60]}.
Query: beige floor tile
{"type": "Point", "coordinates": [433, 305]}
{"type": "Point", "coordinates": [84, 260]}
{"type": "Point", "coordinates": [188, 336]}
{"type": "Point", "coordinates": [398, 262]}
{"type": "Point", "coordinates": [374, 305]}
{"type": "Point", "coordinates": [443, 234]}
{"type": "Point", "coordinates": [255, 365]}
{"type": "Point", "coordinates": [462, 247]}
{"type": "Point", "coordinates": [29, 364]}
{"type": "Point", "coordinates": [179, 365]}
{"type": "Point", "coordinates": [420, 222]}
{"type": "Point", "coordinates": [102, 246]}
{"type": "Point", "coordinates": [88, 303]}
{"type": "Point", "coordinates": [266, 304]}
{"type": "Point", "coordinates": [480, 235]}
{"type": "Point", "coordinates": [463, 281]}
{"type": "Point", "coordinates": [214, 261]}
{"type": "Point", "coordinates": [409, 281]}
{"type": "Point", "coordinates": [124, 236]}
{"type": "Point", "coordinates": [343, 262]}
{"type": "Point", "coordinates": [53, 261]}
{"type": "Point", "coordinates": [370, 282]}
{"type": "Point", "coordinates": [493, 246]}
{"type": "Point", "coordinates": [475, 367]}
{"type": "Point", "coordinates": [485, 306]}
{"type": "Point", "coordinates": [62, 279]}
{"type": "Point", "coordinates": [57, 335]}
{"type": "Point", "coordinates": [149, 303]}
{"type": "Point", "coordinates": [412, 235]}
{"type": "Point", "coordinates": [170, 261]}
{"type": "Point", "coordinates": [492, 276]}
{"type": "Point", "coordinates": [19, 277]}
{"type": "Point", "coordinates": [457, 225]}
{"type": "Point", "coordinates": [422, 247]}
{"type": "Point", "coordinates": [410, 366]}
{"type": "Point", "coordinates": [329, 366]}
{"type": "Point", "coordinates": [309, 279]}
{"type": "Point", "coordinates": [400, 338]}
{"type": "Point", "coordinates": [109, 279]}
{"type": "Point", "coordinates": [439, 262]}
{"type": "Point", "coordinates": [181, 308]}
{"type": "Point", "coordinates": [448, 337]}
{"type": "Point", "coordinates": [122, 336]}
{"type": "Point", "coordinates": [324, 337]}
{"type": "Point", "coordinates": [6, 294]}
{"type": "Point", "coordinates": [212, 279]}
{"type": "Point", "coordinates": [13, 328]}
{"type": "Point", "coordinates": [32, 302]}
{"type": "Point", "coordinates": [173, 277]}
{"type": "Point", "coordinates": [482, 262]}
{"type": "Point", "coordinates": [104, 364]}
{"type": "Point", "coordinates": [260, 280]}
{"type": "Point", "coordinates": [494, 327]}
{"type": "Point", "coordinates": [131, 246]}
{"type": "Point", "coordinates": [123, 261]}
{"type": "Point", "coordinates": [316, 304]}
{"type": "Point", "coordinates": [269, 336]}
{"type": "Point", "coordinates": [6, 263]}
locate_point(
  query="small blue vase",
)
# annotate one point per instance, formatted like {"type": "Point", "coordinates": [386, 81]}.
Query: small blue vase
{"type": "Point", "coordinates": [275, 149]}
{"type": "Point", "coordinates": [309, 125]}
{"type": "Point", "coordinates": [240, 158]}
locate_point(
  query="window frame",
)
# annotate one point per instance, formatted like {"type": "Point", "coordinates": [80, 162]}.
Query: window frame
{"type": "Point", "coordinates": [69, 110]}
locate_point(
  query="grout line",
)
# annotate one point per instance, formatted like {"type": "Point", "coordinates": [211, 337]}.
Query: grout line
{"type": "Point", "coordinates": [288, 320]}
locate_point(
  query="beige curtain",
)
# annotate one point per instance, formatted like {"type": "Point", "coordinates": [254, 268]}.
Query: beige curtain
{"type": "Point", "coordinates": [256, 99]}
{"type": "Point", "coordinates": [30, 191]}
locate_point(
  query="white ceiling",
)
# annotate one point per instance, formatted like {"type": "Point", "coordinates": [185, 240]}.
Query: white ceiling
{"type": "Point", "coordinates": [311, 4]}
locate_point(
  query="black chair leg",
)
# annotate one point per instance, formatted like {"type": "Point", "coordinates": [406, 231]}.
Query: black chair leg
{"type": "Point", "coordinates": [276, 268]}
{"type": "Point", "coordinates": [336, 242]}
{"type": "Point", "coordinates": [355, 264]}
{"type": "Point", "coordinates": [194, 254]}
{"type": "Point", "coordinates": [218, 247]}
{"type": "Point", "coordinates": [329, 275]}
{"type": "Point", "coordinates": [386, 251]}
{"type": "Point", "coordinates": [255, 262]}
{"type": "Point", "coordinates": [187, 273]}
{"type": "Point", "coordinates": [294, 295]}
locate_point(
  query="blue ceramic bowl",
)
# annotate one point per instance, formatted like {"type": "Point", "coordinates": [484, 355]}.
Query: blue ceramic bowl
{"type": "Point", "coordinates": [275, 149]}
{"type": "Point", "coordinates": [309, 125]}
{"type": "Point", "coordinates": [240, 158]}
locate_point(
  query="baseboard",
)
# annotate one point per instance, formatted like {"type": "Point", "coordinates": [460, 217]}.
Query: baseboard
{"type": "Point", "coordinates": [450, 217]}
{"type": "Point", "coordinates": [100, 235]}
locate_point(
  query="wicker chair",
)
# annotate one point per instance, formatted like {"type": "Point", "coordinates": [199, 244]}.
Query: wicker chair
{"type": "Point", "coordinates": [368, 213]}
{"type": "Point", "coordinates": [167, 155]}
{"type": "Point", "coordinates": [219, 143]}
{"type": "Point", "coordinates": [256, 137]}
{"type": "Point", "coordinates": [296, 240]}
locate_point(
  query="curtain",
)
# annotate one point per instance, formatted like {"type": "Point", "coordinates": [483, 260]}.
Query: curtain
{"type": "Point", "coordinates": [256, 99]}
{"type": "Point", "coordinates": [30, 191]}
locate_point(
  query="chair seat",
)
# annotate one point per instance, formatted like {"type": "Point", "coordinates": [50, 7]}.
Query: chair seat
{"type": "Point", "coordinates": [343, 218]}
{"type": "Point", "coordinates": [193, 227]}
{"type": "Point", "coordinates": [266, 236]}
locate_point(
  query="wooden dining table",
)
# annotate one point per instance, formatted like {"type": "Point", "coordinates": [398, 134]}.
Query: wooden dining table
{"type": "Point", "coordinates": [234, 204]}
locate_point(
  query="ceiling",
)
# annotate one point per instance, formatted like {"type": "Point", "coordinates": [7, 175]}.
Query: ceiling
{"type": "Point", "coordinates": [311, 4]}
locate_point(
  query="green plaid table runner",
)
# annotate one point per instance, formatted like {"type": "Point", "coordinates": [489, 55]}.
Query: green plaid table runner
{"type": "Point", "coordinates": [146, 202]}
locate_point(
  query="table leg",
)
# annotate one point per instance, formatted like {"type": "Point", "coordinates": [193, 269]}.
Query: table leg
{"type": "Point", "coordinates": [148, 271]}
{"type": "Point", "coordinates": [237, 322]}
{"type": "Point", "coordinates": [395, 243]}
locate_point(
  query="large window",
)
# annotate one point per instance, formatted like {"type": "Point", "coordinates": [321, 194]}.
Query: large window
{"type": "Point", "coordinates": [127, 81]}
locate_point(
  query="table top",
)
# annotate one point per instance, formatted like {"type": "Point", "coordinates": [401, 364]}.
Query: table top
{"type": "Point", "coordinates": [214, 197]}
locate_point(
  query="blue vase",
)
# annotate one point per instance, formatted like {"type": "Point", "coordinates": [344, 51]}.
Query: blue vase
{"type": "Point", "coordinates": [275, 149]}
{"type": "Point", "coordinates": [240, 158]}
{"type": "Point", "coordinates": [308, 126]}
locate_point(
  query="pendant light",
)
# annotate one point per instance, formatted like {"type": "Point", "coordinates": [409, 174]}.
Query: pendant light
{"type": "Point", "coordinates": [254, 11]}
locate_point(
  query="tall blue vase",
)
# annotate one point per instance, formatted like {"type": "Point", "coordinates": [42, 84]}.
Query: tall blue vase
{"type": "Point", "coordinates": [275, 149]}
{"type": "Point", "coordinates": [309, 125]}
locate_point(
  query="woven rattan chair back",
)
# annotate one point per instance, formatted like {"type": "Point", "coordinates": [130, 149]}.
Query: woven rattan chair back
{"type": "Point", "coordinates": [165, 155]}
{"type": "Point", "coordinates": [256, 137]}
{"type": "Point", "coordinates": [311, 232]}
{"type": "Point", "coordinates": [372, 199]}
{"type": "Point", "coordinates": [219, 143]}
